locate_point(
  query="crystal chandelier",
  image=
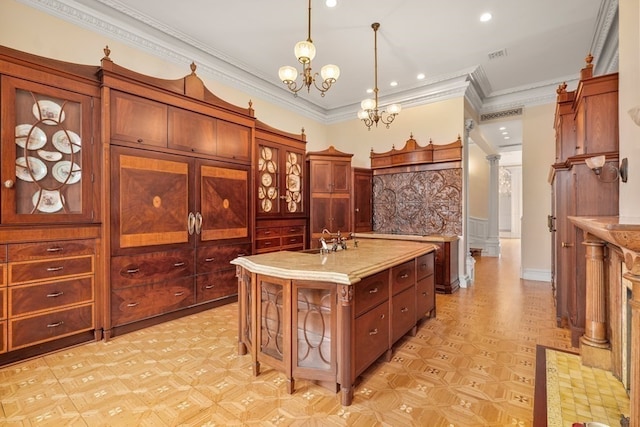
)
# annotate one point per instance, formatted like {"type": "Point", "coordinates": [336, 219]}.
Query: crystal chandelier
{"type": "Point", "coordinates": [305, 51]}
{"type": "Point", "coordinates": [370, 114]}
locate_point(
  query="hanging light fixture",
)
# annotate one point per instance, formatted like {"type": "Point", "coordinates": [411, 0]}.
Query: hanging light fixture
{"type": "Point", "coordinates": [370, 113]}
{"type": "Point", "coordinates": [305, 51]}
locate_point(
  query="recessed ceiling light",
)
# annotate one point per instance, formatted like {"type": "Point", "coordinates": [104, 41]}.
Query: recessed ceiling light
{"type": "Point", "coordinates": [369, 90]}
{"type": "Point", "coordinates": [502, 128]}
{"type": "Point", "coordinates": [505, 133]}
{"type": "Point", "coordinates": [394, 83]}
{"type": "Point", "coordinates": [507, 137]}
{"type": "Point", "coordinates": [331, 3]}
{"type": "Point", "coordinates": [421, 76]}
{"type": "Point", "coordinates": [485, 17]}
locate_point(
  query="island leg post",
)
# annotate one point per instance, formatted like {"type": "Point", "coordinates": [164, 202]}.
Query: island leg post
{"type": "Point", "coordinates": [346, 351]}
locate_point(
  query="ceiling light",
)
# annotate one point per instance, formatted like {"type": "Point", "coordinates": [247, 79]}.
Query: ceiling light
{"type": "Point", "coordinates": [505, 133]}
{"type": "Point", "coordinates": [331, 3]}
{"type": "Point", "coordinates": [370, 114]}
{"type": "Point", "coordinates": [305, 51]}
{"type": "Point", "coordinates": [393, 84]}
{"type": "Point", "coordinates": [485, 17]}
{"type": "Point", "coordinates": [507, 137]}
{"type": "Point", "coordinates": [421, 76]}
{"type": "Point", "coordinates": [502, 128]}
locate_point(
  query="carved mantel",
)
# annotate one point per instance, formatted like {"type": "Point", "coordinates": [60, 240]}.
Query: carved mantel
{"type": "Point", "coordinates": [623, 234]}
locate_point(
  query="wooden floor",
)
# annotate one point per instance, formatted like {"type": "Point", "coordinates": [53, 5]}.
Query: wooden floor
{"type": "Point", "coordinates": [471, 365]}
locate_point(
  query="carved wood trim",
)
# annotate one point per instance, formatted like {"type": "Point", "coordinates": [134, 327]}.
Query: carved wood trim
{"type": "Point", "coordinates": [414, 154]}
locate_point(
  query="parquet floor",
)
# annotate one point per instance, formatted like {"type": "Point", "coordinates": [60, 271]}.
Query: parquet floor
{"type": "Point", "coordinates": [472, 365]}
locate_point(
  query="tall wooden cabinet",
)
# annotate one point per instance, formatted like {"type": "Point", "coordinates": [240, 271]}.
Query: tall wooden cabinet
{"type": "Point", "coordinates": [49, 210]}
{"type": "Point", "coordinates": [330, 192]}
{"type": "Point", "coordinates": [280, 190]}
{"type": "Point", "coordinates": [362, 200]}
{"type": "Point", "coordinates": [178, 197]}
{"type": "Point", "coordinates": [586, 125]}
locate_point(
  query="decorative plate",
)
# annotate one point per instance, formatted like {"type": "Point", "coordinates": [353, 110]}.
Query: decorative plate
{"type": "Point", "coordinates": [63, 169]}
{"type": "Point", "coordinates": [293, 158]}
{"type": "Point", "coordinates": [50, 156]}
{"type": "Point", "coordinates": [37, 139]}
{"type": "Point", "coordinates": [271, 166]}
{"type": "Point", "coordinates": [49, 202]}
{"type": "Point", "coordinates": [272, 193]}
{"type": "Point", "coordinates": [297, 197]}
{"type": "Point", "coordinates": [266, 205]}
{"type": "Point", "coordinates": [293, 206]}
{"type": "Point", "coordinates": [266, 153]}
{"type": "Point", "coordinates": [293, 183]}
{"type": "Point", "coordinates": [261, 194]}
{"type": "Point", "coordinates": [49, 112]}
{"type": "Point", "coordinates": [295, 169]}
{"type": "Point", "coordinates": [61, 141]}
{"type": "Point", "coordinates": [261, 164]}
{"type": "Point", "coordinates": [36, 166]}
{"type": "Point", "coordinates": [266, 179]}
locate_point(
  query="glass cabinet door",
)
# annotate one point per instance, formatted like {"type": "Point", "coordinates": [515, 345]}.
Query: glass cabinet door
{"type": "Point", "coordinates": [293, 185]}
{"type": "Point", "coordinates": [46, 154]}
{"type": "Point", "coordinates": [280, 181]}
{"type": "Point", "coordinates": [268, 180]}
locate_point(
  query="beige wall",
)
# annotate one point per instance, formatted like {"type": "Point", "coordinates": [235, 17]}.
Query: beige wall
{"type": "Point", "coordinates": [479, 170]}
{"type": "Point", "coordinates": [30, 30]}
{"type": "Point", "coordinates": [628, 97]}
{"type": "Point", "coordinates": [538, 153]}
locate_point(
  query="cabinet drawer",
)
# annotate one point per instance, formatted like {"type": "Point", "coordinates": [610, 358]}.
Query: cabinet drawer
{"type": "Point", "coordinates": [216, 285]}
{"type": "Point", "coordinates": [47, 296]}
{"type": "Point", "coordinates": [140, 302]}
{"type": "Point", "coordinates": [3, 336]}
{"type": "Point", "coordinates": [45, 327]}
{"type": "Point", "coordinates": [136, 270]}
{"type": "Point", "coordinates": [212, 258]}
{"type": "Point", "coordinates": [3, 303]}
{"type": "Point", "coordinates": [32, 271]}
{"type": "Point", "coordinates": [425, 296]}
{"type": "Point", "coordinates": [372, 336]}
{"type": "Point", "coordinates": [292, 240]}
{"type": "Point", "coordinates": [403, 313]}
{"type": "Point", "coordinates": [262, 233]}
{"type": "Point", "coordinates": [268, 243]}
{"type": "Point", "coordinates": [403, 276]}
{"type": "Point", "coordinates": [58, 249]}
{"type": "Point", "coordinates": [371, 291]}
{"type": "Point", "coordinates": [294, 229]}
{"type": "Point", "coordinates": [425, 265]}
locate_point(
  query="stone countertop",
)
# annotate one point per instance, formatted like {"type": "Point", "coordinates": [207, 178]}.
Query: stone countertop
{"type": "Point", "coordinates": [412, 237]}
{"type": "Point", "coordinates": [341, 267]}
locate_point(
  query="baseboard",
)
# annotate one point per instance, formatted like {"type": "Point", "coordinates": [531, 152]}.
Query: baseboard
{"type": "Point", "coordinates": [537, 275]}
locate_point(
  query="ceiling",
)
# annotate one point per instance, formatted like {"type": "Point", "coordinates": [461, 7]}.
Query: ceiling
{"type": "Point", "coordinates": [537, 44]}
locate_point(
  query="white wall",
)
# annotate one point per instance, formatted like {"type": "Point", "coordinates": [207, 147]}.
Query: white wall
{"type": "Point", "coordinates": [479, 170]}
{"type": "Point", "coordinates": [628, 97]}
{"type": "Point", "coordinates": [538, 153]}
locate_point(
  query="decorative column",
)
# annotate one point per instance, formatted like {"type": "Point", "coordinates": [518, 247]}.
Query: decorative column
{"type": "Point", "coordinates": [469, 262]}
{"type": "Point", "coordinates": [595, 333]}
{"type": "Point", "coordinates": [493, 239]}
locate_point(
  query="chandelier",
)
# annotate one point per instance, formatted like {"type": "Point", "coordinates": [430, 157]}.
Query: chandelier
{"type": "Point", "coordinates": [305, 51]}
{"type": "Point", "coordinates": [370, 114]}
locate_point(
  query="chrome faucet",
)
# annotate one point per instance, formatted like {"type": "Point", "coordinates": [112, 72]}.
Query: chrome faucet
{"type": "Point", "coordinates": [336, 241]}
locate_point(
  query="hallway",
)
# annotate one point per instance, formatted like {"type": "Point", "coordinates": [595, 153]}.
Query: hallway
{"type": "Point", "coordinates": [471, 365]}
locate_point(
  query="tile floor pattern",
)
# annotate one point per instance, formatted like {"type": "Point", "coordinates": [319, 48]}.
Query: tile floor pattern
{"type": "Point", "coordinates": [471, 365]}
{"type": "Point", "coordinates": [581, 393]}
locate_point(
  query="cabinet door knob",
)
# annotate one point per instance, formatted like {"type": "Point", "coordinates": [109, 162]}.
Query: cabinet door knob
{"type": "Point", "coordinates": [567, 245]}
{"type": "Point", "coordinates": [9, 183]}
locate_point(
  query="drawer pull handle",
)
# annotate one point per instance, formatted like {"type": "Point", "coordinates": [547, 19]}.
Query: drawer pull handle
{"type": "Point", "coordinates": [424, 294]}
{"type": "Point", "coordinates": [382, 316]}
{"type": "Point", "coordinates": [209, 287]}
{"type": "Point", "coordinates": [133, 270]}
{"type": "Point", "coordinates": [423, 265]}
{"type": "Point", "coordinates": [404, 309]}
{"type": "Point", "coordinates": [139, 140]}
{"type": "Point", "coordinates": [55, 325]}
{"type": "Point", "coordinates": [292, 230]}
{"type": "Point", "coordinates": [55, 294]}
{"type": "Point", "coordinates": [178, 294]}
{"type": "Point", "coordinates": [267, 243]}
{"type": "Point", "coordinates": [373, 331]}
{"type": "Point", "coordinates": [373, 291]}
{"type": "Point", "coordinates": [55, 268]}
{"type": "Point", "coordinates": [54, 249]}
{"type": "Point", "coordinates": [209, 259]}
{"type": "Point", "coordinates": [242, 254]}
{"type": "Point", "coordinates": [293, 240]}
{"type": "Point", "coordinates": [178, 264]}
{"type": "Point", "coordinates": [266, 233]}
{"type": "Point", "coordinates": [404, 276]}
{"type": "Point", "coordinates": [132, 304]}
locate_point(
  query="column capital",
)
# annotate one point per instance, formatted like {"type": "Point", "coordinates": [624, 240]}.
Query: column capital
{"type": "Point", "coordinates": [469, 124]}
{"type": "Point", "coordinates": [493, 157]}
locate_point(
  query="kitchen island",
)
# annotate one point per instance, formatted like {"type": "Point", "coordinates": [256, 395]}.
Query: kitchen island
{"type": "Point", "coordinates": [326, 317]}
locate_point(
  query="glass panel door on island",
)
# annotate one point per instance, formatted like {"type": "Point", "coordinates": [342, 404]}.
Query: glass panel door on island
{"type": "Point", "coordinates": [46, 154]}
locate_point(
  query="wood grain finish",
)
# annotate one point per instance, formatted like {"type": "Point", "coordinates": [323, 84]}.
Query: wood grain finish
{"type": "Point", "coordinates": [413, 154]}
{"type": "Point", "coordinates": [40, 297]}
{"type": "Point", "coordinates": [32, 271]}
{"type": "Point", "coordinates": [138, 120]}
{"type": "Point", "coordinates": [224, 205]}
{"type": "Point", "coordinates": [155, 267]}
{"type": "Point", "coordinates": [56, 249]}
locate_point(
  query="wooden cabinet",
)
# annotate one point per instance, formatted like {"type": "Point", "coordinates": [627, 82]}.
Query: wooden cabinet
{"type": "Point", "coordinates": [425, 286]}
{"type": "Point", "coordinates": [50, 208]}
{"type": "Point", "coordinates": [446, 265]}
{"type": "Point", "coordinates": [576, 190]}
{"type": "Point", "coordinates": [362, 197]}
{"type": "Point", "coordinates": [179, 196]}
{"type": "Point", "coordinates": [403, 300]}
{"type": "Point", "coordinates": [281, 190]}
{"type": "Point", "coordinates": [330, 188]}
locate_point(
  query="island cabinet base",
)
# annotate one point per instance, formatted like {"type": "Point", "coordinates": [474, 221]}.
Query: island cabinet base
{"type": "Point", "coordinates": [330, 333]}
